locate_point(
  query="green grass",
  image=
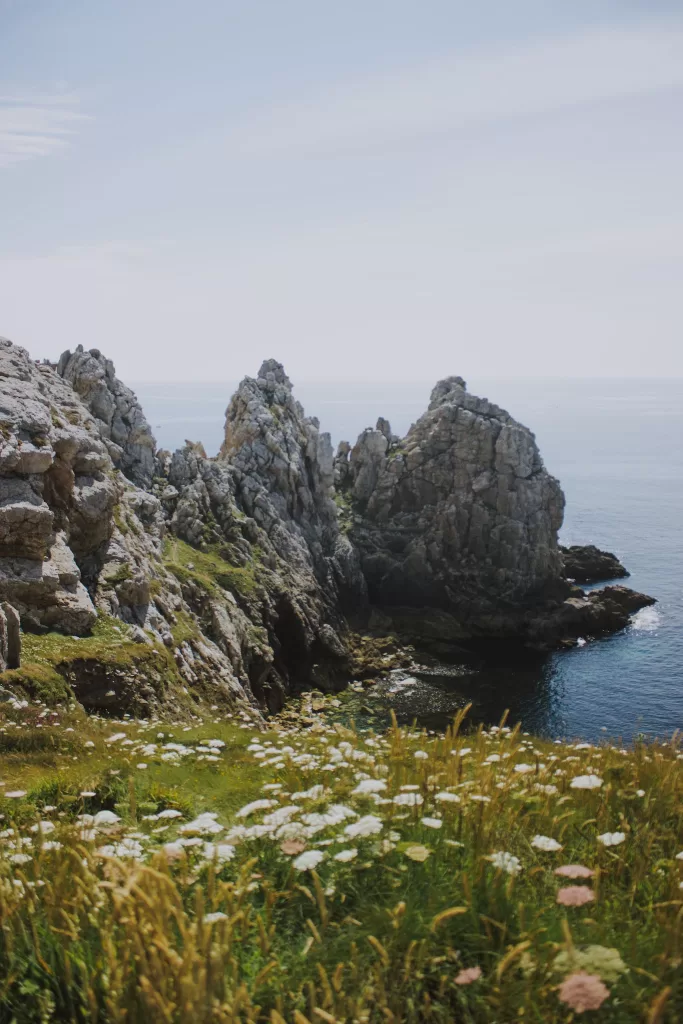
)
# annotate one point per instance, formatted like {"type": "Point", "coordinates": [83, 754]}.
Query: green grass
{"type": "Point", "coordinates": [381, 937]}
{"type": "Point", "coordinates": [209, 570]}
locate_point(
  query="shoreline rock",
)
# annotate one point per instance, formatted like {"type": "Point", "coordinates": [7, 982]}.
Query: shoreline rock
{"type": "Point", "coordinates": [588, 564]}
{"type": "Point", "coordinates": [238, 579]}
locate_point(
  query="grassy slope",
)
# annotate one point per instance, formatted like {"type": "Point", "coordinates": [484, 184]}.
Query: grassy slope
{"type": "Point", "coordinates": [89, 938]}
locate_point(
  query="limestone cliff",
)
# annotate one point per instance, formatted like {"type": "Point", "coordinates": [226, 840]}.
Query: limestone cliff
{"type": "Point", "coordinates": [143, 578]}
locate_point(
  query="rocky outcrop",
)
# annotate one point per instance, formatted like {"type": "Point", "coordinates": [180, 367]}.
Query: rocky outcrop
{"type": "Point", "coordinates": [459, 516]}
{"type": "Point", "coordinates": [120, 419]}
{"type": "Point", "coordinates": [588, 564]}
{"type": "Point", "coordinates": [175, 578]}
{"type": "Point", "coordinates": [457, 528]}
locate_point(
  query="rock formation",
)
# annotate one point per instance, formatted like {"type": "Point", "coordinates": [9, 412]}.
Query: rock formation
{"type": "Point", "coordinates": [120, 420]}
{"type": "Point", "coordinates": [588, 564]}
{"type": "Point", "coordinates": [457, 527]}
{"type": "Point", "coordinates": [233, 579]}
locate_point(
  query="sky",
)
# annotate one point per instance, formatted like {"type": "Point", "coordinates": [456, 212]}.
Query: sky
{"type": "Point", "coordinates": [390, 190]}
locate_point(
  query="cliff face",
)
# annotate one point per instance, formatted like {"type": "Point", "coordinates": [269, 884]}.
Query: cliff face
{"type": "Point", "coordinates": [461, 515]}
{"type": "Point", "coordinates": [231, 579]}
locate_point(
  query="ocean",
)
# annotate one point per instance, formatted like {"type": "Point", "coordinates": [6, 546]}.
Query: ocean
{"type": "Point", "coordinates": [616, 445]}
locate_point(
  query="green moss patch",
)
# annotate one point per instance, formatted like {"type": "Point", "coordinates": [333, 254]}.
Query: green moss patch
{"type": "Point", "coordinates": [209, 570]}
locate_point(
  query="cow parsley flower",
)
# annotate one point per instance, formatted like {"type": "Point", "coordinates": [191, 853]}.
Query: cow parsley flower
{"type": "Point", "coordinates": [308, 860]}
{"type": "Point", "coordinates": [612, 838]}
{"type": "Point", "coordinates": [546, 844]}
{"type": "Point", "coordinates": [586, 782]}
{"type": "Point", "coordinates": [506, 862]}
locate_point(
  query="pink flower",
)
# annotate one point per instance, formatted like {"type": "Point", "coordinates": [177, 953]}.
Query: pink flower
{"type": "Point", "coordinates": [575, 895]}
{"type": "Point", "coordinates": [574, 871]}
{"type": "Point", "coordinates": [468, 975]}
{"type": "Point", "coordinates": [583, 991]}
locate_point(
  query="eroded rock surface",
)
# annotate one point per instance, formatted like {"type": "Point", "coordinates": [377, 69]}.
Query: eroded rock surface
{"type": "Point", "coordinates": [461, 515]}
{"type": "Point", "coordinates": [588, 564]}
{"type": "Point", "coordinates": [120, 419]}
{"type": "Point", "coordinates": [233, 579]}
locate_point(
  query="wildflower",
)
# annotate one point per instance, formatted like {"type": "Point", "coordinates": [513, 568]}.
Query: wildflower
{"type": "Point", "coordinates": [51, 844]}
{"type": "Point", "coordinates": [612, 838]}
{"type": "Point", "coordinates": [369, 786]}
{"type": "Point", "coordinates": [88, 792]}
{"type": "Point", "coordinates": [586, 782]}
{"type": "Point", "coordinates": [255, 805]}
{"type": "Point", "coordinates": [479, 798]}
{"type": "Point", "coordinates": [308, 860]}
{"type": "Point", "coordinates": [290, 847]}
{"type": "Point", "coordinates": [170, 813]}
{"type": "Point", "coordinates": [575, 896]}
{"type": "Point", "coordinates": [222, 852]}
{"type": "Point", "coordinates": [467, 976]}
{"type": "Point", "coordinates": [369, 825]}
{"type": "Point", "coordinates": [20, 858]}
{"type": "Point", "coordinates": [447, 798]}
{"type": "Point", "coordinates": [506, 862]}
{"type": "Point", "coordinates": [141, 765]}
{"type": "Point", "coordinates": [16, 794]}
{"type": "Point", "coordinates": [174, 851]}
{"type": "Point", "coordinates": [421, 755]}
{"type": "Point", "coordinates": [43, 827]}
{"type": "Point", "coordinates": [408, 799]}
{"type": "Point", "coordinates": [105, 818]}
{"type": "Point", "coordinates": [314, 793]}
{"type": "Point", "coordinates": [546, 844]}
{"type": "Point", "coordinates": [346, 855]}
{"type": "Point", "coordinates": [524, 769]}
{"type": "Point", "coordinates": [418, 853]}
{"type": "Point", "coordinates": [679, 856]}
{"type": "Point", "coordinates": [602, 960]}
{"type": "Point", "coordinates": [582, 991]}
{"type": "Point", "coordinates": [432, 822]}
{"type": "Point", "coordinates": [215, 916]}
{"type": "Point", "coordinates": [409, 789]}
{"type": "Point", "coordinates": [115, 737]}
{"type": "Point", "coordinates": [574, 871]}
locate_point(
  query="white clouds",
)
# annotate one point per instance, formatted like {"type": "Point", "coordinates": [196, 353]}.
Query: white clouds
{"type": "Point", "coordinates": [37, 125]}
{"type": "Point", "coordinates": [486, 84]}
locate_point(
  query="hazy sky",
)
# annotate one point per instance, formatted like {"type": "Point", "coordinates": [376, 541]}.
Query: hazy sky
{"type": "Point", "coordinates": [392, 189]}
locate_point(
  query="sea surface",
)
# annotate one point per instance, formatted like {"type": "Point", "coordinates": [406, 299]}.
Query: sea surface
{"type": "Point", "coordinates": [617, 447]}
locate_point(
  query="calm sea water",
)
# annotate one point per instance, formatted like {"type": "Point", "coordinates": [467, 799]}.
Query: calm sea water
{"type": "Point", "coordinates": [617, 447]}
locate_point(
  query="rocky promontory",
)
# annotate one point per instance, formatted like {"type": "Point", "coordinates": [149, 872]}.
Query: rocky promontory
{"type": "Point", "coordinates": [176, 579]}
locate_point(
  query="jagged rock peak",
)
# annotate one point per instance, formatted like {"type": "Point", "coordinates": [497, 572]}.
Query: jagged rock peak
{"type": "Point", "coordinates": [460, 515]}
{"type": "Point", "coordinates": [445, 388]}
{"type": "Point", "coordinates": [272, 374]}
{"type": "Point", "coordinates": [119, 416]}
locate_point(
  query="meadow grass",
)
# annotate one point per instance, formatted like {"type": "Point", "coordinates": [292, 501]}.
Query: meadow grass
{"type": "Point", "coordinates": [138, 882]}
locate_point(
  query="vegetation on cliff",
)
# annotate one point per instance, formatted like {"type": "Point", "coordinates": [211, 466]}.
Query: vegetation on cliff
{"type": "Point", "coordinates": [216, 871]}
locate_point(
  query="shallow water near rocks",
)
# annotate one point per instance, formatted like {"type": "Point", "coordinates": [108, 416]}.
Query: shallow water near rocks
{"type": "Point", "coordinates": [617, 447]}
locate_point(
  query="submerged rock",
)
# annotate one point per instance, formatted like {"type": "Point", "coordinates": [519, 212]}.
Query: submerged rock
{"type": "Point", "coordinates": [588, 564]}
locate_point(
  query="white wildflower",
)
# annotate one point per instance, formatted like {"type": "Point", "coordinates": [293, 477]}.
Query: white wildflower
{"type": "Point", "coordinates": [346, 855]}
{"type": "Point", "coordinates": [506, 862]}
{"type": "Point", "coordinates": [432, 822]}
{"type": "Point", "coordinates": [409, 799]}
{"type": "Point", "coordinates": [308, 860]}
{"type": "Point", "coordinates": [586, 782]}
{"type": "Point", "coordinates": [369, 825]}
{"type": "Point", "coordinates": [546, 844]}
{"type": "Point", "coordinates": [612, 838]}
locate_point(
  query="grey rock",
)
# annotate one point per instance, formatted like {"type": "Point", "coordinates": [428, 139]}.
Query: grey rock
{"type": "Point", "coordinates": [10, 637]}
{"type": "Point", "coordinates": [460, 516]}
{"type": "Point", "coordinates": [119, 416]}
{"type": "Point", "coordinates": [588, 564]}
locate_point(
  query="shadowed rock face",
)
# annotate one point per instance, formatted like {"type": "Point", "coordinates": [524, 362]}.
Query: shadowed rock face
{"type": "Point", "coordinates": [588, 564]}
{"type": "Point", "coordinates": [461, 515]}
